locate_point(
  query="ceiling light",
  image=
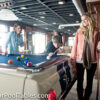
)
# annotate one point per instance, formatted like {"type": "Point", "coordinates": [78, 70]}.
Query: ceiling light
{"type": "Point", "coordinates": [71, 15]}
{"type": "Point", "coordinates": [42, 17]}
{"type": "Point", "coordinates": [68, 30]}
{"type": "Point", "coordinates": [54, 23]}
{"type": "Point", "coordinates": [61, 2]}
{"type": "Point", "coordinates": [7, 14]}
{"type": "Point", "coordinates": [23, 8]}
{"type": "Point", "coordinates": [35, 24]}
{"type": "Point", "coordinates": [46, 28]}
{"type": "Point", "coordinates": [77, 21]}
{"type": "Point", "coordinates": [42, 13]}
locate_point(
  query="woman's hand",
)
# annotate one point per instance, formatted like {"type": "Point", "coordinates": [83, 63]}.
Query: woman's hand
{"type": "Point", "coordinates": [72, 61]}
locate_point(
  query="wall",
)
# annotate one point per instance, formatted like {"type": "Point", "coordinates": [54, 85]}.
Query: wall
{"type": "Point", "coordinates": [94, 8]}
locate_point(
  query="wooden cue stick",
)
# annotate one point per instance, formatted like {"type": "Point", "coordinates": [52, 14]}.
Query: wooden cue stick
{"type": "Point", "coordinates": [56, 50]}
{"type": "Point", "coordinates": [98, 75]}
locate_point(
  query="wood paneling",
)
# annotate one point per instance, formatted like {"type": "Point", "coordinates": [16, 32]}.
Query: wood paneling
{"type": "Point", "coordinates": [94, 8]}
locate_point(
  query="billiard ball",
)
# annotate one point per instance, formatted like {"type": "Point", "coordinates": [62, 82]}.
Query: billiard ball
{"type": "Point", "coordinates": [27, 58]}
{"type": "Point", "coordinates": [22, 56]}
{"type": "Point", "coordinates": [29, 64]}
{"type": "Point", "coordinates": [25, 62]}
{"type": "Point", "coordinates": [18, 58]}
{"type": "Point", "coordinates": [10, 61]}
{"type": "Point", "coordinates": [48, 57]}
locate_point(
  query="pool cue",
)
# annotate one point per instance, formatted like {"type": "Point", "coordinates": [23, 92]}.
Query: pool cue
{"type": "Point", "coordinates": [98, 75]}
{"type": "Point", "coordinates": [57, 50]}
{"type": "Point", "coordinates": [53, 53]}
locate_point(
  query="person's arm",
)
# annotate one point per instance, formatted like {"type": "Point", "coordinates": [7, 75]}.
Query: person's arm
{"type": "Point", "coordinates": [21, 41]}
{"type": "Point", "coordinates": [98, 46]}
{"type": "Point", "coordinates": [74, 48]}
{"type": "Point", "coordinates": [49, 50]}
{"type": "Point", "coordinates": [48, 47]}
{"type": "Point", "coordinates": [72, 59]}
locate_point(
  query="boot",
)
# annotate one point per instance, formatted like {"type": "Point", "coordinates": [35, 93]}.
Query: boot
{"type": "Point", "coordinates": [86, 97]}
{"type": "Point", "coordinates": [80, 96]}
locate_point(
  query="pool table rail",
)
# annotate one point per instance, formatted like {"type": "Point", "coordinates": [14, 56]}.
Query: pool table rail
{"type": "Point", "coordinates": [45, 65]}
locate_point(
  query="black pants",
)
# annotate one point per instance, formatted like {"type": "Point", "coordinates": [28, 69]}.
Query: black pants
{"type": "Point", "coordinates": [80, 76]}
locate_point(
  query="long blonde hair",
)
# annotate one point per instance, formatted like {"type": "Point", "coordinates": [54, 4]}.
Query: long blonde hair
{"type": "Point", "coordinates": [88, 31]}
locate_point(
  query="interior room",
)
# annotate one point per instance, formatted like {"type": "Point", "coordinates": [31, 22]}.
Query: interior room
{"type": "Point", "coordinates": [42, 43]}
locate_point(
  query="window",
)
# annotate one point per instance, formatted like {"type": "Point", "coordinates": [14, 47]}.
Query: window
{"type": "Point", "coordinates": [38, 40]}
{"type": "Point", "coordinates": [70, 41]}
{"type": "Point", "coordinates": [3, 36]}
{"type": "Point", "coordinates": [11, 29]}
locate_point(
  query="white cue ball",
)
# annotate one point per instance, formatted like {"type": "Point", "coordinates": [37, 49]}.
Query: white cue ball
{"type": "Point", "coordinates": [48, 57]}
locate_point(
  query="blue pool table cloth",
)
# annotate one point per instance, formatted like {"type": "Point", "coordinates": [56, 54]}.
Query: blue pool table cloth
{"type": "Point", "coordinates": [35, 59]}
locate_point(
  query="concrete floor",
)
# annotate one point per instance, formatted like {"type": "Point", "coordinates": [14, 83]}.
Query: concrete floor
{"type": "Point", "coordinates": [73, 93]}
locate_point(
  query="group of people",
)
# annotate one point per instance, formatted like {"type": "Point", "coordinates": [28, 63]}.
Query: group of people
{"type": "Point", "coordinates": [84, 52]}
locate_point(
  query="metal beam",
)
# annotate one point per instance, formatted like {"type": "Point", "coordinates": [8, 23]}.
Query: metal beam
{"type": "Point", "coordinates": [32, 17]}
{"type": "Point", "coordinates": [53, 12]}
{"type": "Point", "coordinates": [25, 4]}
{"type": "Point", "coordinates": [28, 16]}
{"type": "Point", "coordinates": [68, 25]}
{"type": "Point", "coordinates": [78, 6]}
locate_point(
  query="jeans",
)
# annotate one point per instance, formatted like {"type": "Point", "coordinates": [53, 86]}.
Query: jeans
{"type": "Point", "coordinates": [80, 76]}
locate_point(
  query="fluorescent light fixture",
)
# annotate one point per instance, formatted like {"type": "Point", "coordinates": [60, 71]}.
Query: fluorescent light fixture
{"type": "Point", "coordinates": [68, 25]}
{"type": "Point", "coordinates": [71, 15]}
{"type": "Point", "coordinates": [61, 2]}
{"type": "Point", "coordinates": [42, 17]}
{"type": "Point", "coordinates": [77, 21]}
{"type": "Point", "coordinates": [42, 13]}
{"type": "Point", "coordinates": [46, 28]}
{"type": "Point", "coordinates": [7, 14]}
{"type": "Point", "coordinates": [23, 8]}
{"type": "Point", "coordinates": [35, 24]}
{"type": "Point", "coordinates": [68, 30]}
{"type": "Point", "coordinates": [54, 23]}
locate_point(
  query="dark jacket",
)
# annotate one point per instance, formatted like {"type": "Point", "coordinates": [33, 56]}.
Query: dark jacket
{"type": "Point", "coordinates": [50, 47]}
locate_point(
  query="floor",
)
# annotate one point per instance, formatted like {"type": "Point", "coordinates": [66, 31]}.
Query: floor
{"type": "Point", "coordinates": [73, 94]}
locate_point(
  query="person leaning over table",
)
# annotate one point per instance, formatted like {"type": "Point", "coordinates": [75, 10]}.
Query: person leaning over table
{"type": "Point", "coordinates": [14, 40]}
{"type": "Point", "coordinates": [85, 54]}
{"type": "Point", "coordinates": [53, 45]}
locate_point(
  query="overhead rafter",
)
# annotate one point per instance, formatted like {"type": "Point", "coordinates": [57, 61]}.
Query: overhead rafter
{"type": "Point", "coordinates": [53, 12]}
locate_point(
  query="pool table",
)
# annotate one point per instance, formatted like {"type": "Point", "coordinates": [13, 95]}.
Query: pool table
{"type": "Point", "coordinates": [53, 77]}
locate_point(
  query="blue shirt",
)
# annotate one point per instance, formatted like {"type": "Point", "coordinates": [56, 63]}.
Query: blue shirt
{"type": "Point", "coordinates": [13, 42]}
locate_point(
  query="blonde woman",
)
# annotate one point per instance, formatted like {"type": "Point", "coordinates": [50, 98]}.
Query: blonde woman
{"type": "Point", "coordinates": [85, 55]}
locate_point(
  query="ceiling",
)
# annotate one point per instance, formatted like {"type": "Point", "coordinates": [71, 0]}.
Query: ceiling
{"type": "Point", "coordinates": [48, 14]}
